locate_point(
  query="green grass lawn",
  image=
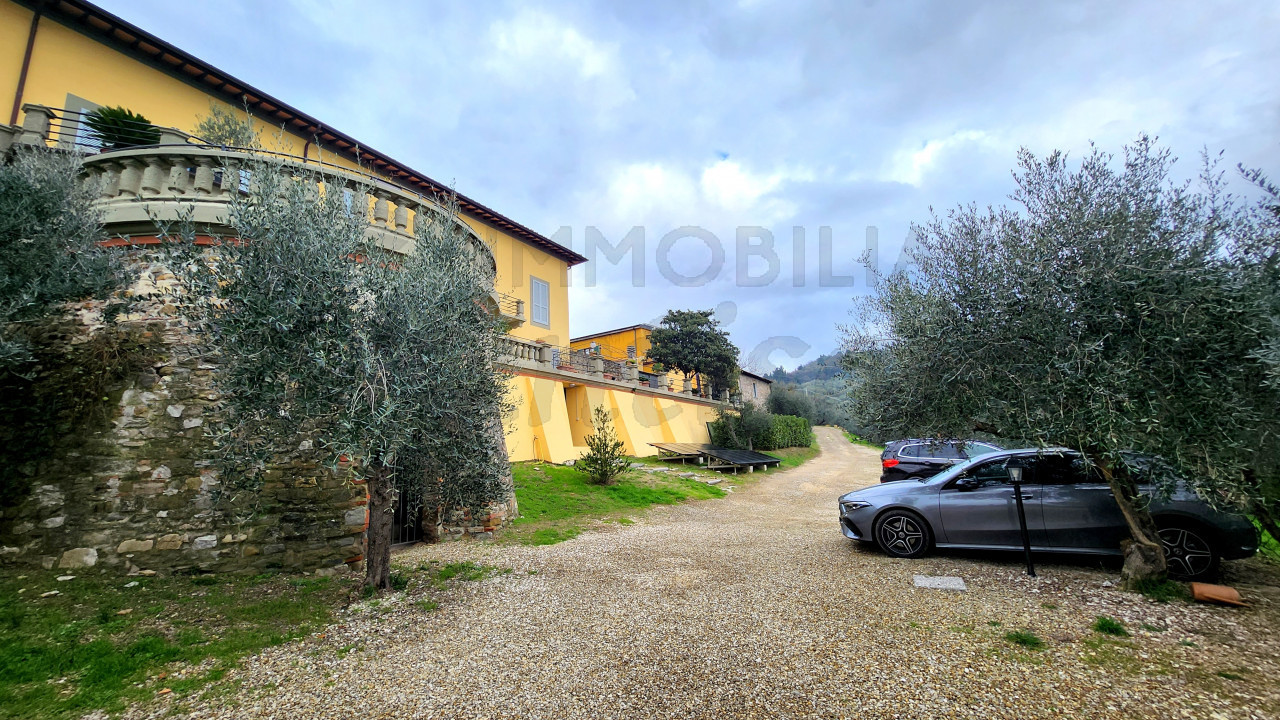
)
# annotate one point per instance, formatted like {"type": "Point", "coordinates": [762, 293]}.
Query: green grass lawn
{"type": "Point", "coordinates": [99, 644]}
{"type": "Point", "coordinates": [557, 502]}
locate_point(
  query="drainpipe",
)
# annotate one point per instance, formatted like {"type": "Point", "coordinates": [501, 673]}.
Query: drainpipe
{"type": "Point", "coordinates": [26, 63]}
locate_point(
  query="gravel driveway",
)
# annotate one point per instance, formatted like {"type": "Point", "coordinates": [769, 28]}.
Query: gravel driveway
{"type": "Point", "coordinates": [756, 606]}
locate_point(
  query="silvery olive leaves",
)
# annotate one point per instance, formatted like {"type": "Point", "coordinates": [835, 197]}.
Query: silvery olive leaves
{"type": "Point", "coordinates": [1111, 310]}
{"type": "Point", "coordinates": [323, 336]}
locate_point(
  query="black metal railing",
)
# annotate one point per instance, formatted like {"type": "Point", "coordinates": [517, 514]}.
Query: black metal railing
{"type": "Point", "coordinates": [75, 128]}
{"type": "Point", "coordinates": [509, 305]}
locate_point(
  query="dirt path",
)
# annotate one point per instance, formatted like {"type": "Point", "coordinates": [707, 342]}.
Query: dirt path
{"type": "Point", "coordinates": [756, 606]}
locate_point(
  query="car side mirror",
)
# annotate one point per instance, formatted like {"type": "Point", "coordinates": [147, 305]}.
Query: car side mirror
{"type": "Point", "coordinates": [966, 483]}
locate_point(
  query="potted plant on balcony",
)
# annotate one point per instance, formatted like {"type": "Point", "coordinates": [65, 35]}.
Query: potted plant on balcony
{"type": "Point", "coordinates": [118, 128]}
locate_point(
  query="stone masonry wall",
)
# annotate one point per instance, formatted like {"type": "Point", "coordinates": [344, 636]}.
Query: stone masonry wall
{"type": "Point", "coordinates": [480, 523]}
{"type": "Point", "coordinates": [142, 496]}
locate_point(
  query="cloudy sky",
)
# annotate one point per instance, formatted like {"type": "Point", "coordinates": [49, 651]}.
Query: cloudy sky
{"type": "Point", "coordinates": [779, 123]}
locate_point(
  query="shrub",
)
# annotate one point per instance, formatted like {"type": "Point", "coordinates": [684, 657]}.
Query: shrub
{"type": "Point", "coordinates": [750, 428]}
{"type": "Point", "coordinates": [605, 459]}
{"type": "Point", "coordinates": [790, 400]}
{"type": "Point", "coordinates": [744, 428]}
{"type": "Point", "coordinates": [119, 128]}
{"type": "Point", "coordinates": [788, 431]}
{"type": "Point", "coordinates": [222, 126]}
{"type": "Point", "coordinates": [1025, 638]}
{"type": "Point", "coordinates": [1109, 626]}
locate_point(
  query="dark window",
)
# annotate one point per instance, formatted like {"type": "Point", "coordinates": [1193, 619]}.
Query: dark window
{"type": "Point", "coordinates": [990, 473]}
{"type": "Point", "coordinates": [1056, 470]}
{"type": "Point", "coordinates": [948, 451]}
{"type": "Point", "coordinates": [910, 451]}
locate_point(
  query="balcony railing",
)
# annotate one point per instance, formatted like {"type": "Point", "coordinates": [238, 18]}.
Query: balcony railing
{"type": "Point", "coordinates": [509, 307]}
{"type": "Point", "coordinates": [180, 178]}
{"type": "Point", "coordinates": [584, 364]}
{"type": "Point", "coordinates": [177, 174]}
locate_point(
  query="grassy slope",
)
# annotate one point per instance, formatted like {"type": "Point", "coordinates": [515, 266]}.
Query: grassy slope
{"type": "Point", "coordinates": [67, 655]}
{"type": "Point", "coordinates": [859, 441]}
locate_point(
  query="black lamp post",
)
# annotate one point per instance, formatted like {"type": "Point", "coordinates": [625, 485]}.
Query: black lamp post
{"type": "Point", "coordinates": [1015, 467]}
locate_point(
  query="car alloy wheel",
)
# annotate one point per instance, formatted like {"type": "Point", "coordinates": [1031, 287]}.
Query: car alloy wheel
{"type": "Point", "coordinates": [1187, 554]}
{"type": "Point", "coordinates": [902, 534]}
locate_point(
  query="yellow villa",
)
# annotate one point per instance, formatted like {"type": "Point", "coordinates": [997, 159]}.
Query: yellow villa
{"type": "Point", "coordinates": [59, 60]}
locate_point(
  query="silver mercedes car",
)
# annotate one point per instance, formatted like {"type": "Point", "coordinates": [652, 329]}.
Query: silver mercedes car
{"type": "Point", "coordinates": [1069, 509]}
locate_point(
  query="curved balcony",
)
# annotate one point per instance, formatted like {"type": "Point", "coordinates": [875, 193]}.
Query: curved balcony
{"type": "Point", "coordinates": [181, 177]}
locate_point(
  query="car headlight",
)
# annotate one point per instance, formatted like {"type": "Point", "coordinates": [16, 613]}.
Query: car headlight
{"type": "Point", "coordinates": [851, 505]}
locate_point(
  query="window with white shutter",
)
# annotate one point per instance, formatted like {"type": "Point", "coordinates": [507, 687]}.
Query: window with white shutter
{"type": "Point", "coordinates": [540, 300]}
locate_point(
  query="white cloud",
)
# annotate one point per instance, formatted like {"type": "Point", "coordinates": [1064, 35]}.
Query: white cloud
{"type": "Point", "coordinates": [534, 38]}
{"type": "Point", "coordinates": [910, 165]}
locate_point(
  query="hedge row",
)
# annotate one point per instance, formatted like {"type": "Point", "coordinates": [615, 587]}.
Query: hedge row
{"type": "Point", "coordinates": [767, 432]}
{"type": "Point", "coordinates": [787, 431]}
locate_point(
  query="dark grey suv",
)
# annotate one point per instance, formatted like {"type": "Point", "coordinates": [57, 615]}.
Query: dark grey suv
{"type": "Point", "coordinates": [1069, 509]}
{"type": "Point", "coordinates": [920, 459]}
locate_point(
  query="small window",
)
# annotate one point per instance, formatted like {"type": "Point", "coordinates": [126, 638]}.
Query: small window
{"type": "Point", "coordinates": [74, 131]}
{"type": "Point", "coordinates": [540, 300]}
{"type": "Point", "coordinates": [753, 390]}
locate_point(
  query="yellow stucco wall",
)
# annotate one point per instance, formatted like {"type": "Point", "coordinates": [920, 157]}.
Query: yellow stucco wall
{"type": "Point", "coordinates": [64, 61]}
{"type": "Point", "coordinates": [547, 424]}
{"type": "Point", "coordinates": [15, 22]}
{"type": "Point", "coordinates": [517, 263]}
{"type": "Point", "coordinates": [638, 418]}
{"type": "Point", "coordinates": [615, 346]}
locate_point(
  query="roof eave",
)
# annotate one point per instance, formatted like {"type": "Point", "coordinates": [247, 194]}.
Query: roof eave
{"type": "Point", "coordinates": [98, 24]}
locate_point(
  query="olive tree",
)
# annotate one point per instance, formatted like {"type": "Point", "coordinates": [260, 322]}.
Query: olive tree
{"type": "Point", "coordinates": [1110, 312]}
{"type": "Point", "coordinates": [54, 385]}
{"type": "Point", "coordinates": [223, 126]}
{"type": "Point", "coordinates": [49, 252]}
{"type": "Point", "coordinates": [1255, 253]}
{"type": "Point", "coordinates": [385, 360]}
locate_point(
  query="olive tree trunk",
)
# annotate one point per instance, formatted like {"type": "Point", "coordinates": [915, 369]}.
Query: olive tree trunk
{"type": "Point", "coordinates": [377, 560]}
{"type": "Point", "coordinates": [1143, 554]}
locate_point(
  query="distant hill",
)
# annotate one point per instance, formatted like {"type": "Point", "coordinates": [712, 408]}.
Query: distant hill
{"type": "Point", "coordinates": [826, 367]}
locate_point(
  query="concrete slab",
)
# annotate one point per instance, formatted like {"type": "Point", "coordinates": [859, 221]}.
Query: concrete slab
{"type": "Point", "coordinates": [939, 582]}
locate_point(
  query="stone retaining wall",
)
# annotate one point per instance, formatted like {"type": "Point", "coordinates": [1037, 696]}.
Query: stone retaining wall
{"type": "Point", "coordinates": [142, 494]}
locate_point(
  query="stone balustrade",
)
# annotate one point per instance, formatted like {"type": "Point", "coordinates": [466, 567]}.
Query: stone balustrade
{"type": "Point", "coordinates": [182, 179]}
{"type": "Point", "coordinates": [578, 366]}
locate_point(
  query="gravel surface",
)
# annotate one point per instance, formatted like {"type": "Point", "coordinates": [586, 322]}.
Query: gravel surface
{"type": "Point", "coordinates": [756, 606]}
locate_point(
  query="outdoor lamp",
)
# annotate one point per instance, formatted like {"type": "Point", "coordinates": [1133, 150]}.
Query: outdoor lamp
{"type": "Point", "coordinates": [1015, 470]}
{"type": "Point", "coordinates": [1015, 467]}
